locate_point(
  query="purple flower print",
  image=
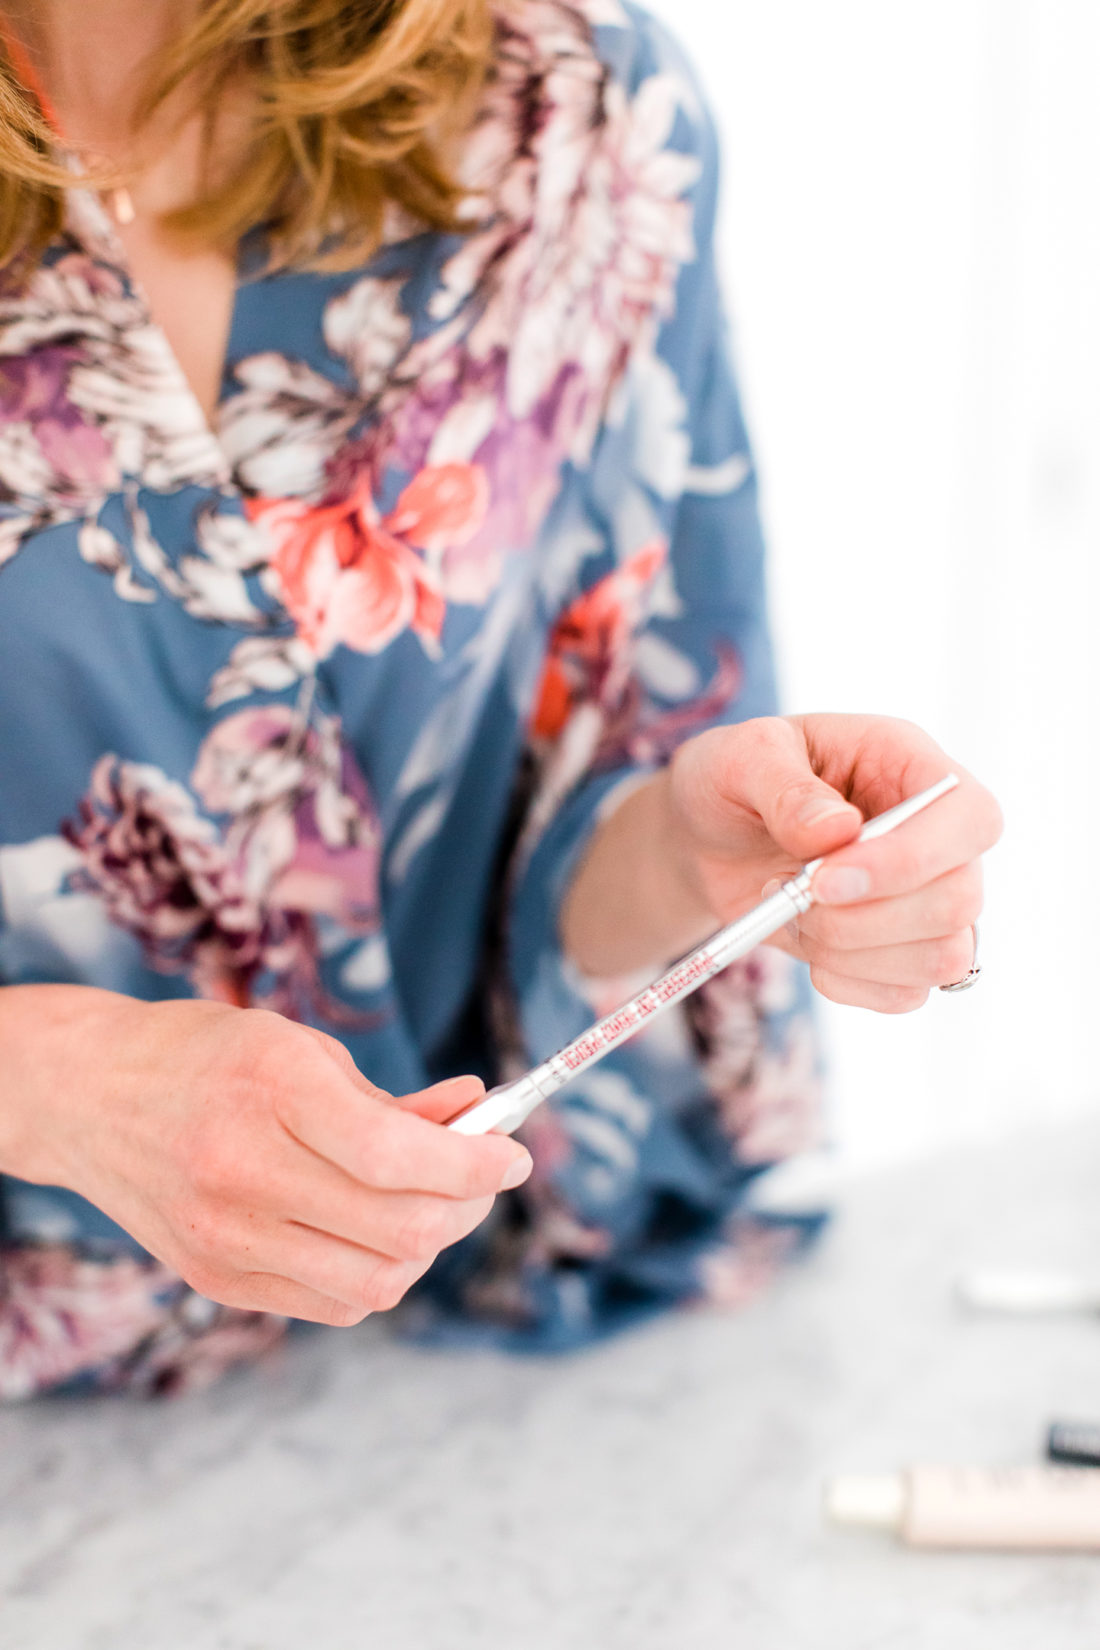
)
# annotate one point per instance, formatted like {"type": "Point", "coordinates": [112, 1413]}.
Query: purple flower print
{"type": "Point", "coordinates": [90, 394]}
{"type": "Point", "coordinates": [33, 391]}
{"type": "Point", "coordinates": [581, 223]}
{"type": "Point", "coordinates": [165, 876]}
{"type": "Point", "coordinates": [237, 911]}
{"type": "Point", "coordinates": [303, 830]}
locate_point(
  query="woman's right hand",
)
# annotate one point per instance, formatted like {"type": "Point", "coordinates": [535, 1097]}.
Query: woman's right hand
{"type": "Point", "coordinates": [245, 1151]}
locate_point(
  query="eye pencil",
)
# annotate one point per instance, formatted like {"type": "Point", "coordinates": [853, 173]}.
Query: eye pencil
{"type": "Point", "coordinates": [503, 1109]}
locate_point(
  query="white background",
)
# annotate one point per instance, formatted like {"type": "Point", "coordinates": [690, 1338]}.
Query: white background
{"type": "Point", "coordinates": [911, 248]}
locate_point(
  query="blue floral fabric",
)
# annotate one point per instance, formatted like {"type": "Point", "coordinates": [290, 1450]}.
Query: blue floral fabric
{"type": "Point", "coordinates": [316, 707]}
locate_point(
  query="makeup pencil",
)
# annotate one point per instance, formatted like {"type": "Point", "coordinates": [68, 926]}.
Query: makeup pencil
{"type": "Point", "coordinates": [503, 1109]}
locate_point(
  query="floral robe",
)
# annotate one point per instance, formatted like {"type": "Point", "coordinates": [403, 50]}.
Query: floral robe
{"type": "Point", "coordinates": [316, 708]}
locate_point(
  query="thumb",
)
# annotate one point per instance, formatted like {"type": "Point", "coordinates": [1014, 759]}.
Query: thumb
{"type": "Point", "coordinates": [342, 1057]}
{"type": "Point", "coordinates": [442, 1101]}
{"type": "Point", "coordinates": [438, 1104]}
{"type": "Point", "coordinates": [803, 814]}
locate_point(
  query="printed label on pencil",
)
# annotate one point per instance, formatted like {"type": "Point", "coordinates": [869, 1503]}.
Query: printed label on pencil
{"type": "Point", "coordinates": [617, 1027]}
{"type": "Point", "coordinates": [679, 979]}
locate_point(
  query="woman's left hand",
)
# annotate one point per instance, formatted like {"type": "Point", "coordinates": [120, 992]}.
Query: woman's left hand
{"type": "Point", "coordinates": [751, 803]}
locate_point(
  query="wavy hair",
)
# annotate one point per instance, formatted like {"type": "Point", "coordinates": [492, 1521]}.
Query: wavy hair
{"type": "Point", "coordinates": [351, 106]}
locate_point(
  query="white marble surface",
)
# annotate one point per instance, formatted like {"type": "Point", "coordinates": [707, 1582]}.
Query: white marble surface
{"type": "Point", "coordinates": [660, 1493]}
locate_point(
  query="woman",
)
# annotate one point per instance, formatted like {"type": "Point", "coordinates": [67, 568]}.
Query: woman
{"type": "Point", "coordinates": [384, 683]}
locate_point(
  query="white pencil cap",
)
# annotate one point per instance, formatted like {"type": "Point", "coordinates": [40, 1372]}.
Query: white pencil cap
{"type": "Point", "coordinates": [1028, 1292]}
{"type": "Point", "coordinates": [873, 1500]}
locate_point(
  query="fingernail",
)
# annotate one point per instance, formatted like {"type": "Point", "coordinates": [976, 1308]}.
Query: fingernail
{"type": "Point", "coordinates": [815, 812]}
{"type": "Point", "coordinates": [470, 1082]}
{"type": "Point", "coordinates": [771, 888]}
{"type": "Point", "coordinates": [841, 884]}
{"type": "Point", "coordinates": [517, 1172]}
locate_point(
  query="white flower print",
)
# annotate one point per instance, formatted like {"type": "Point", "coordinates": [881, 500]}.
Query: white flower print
{"type": "Point", "coordinates": [367, 327]}
{"type": "Point", "coordinates": [582, 223]}
{"type": "Point", "coordinates": [281, 428]}
{"type": "Point", "coordinates": [260, 664]}
{"type": "Point", "coordinates": [98, 389]}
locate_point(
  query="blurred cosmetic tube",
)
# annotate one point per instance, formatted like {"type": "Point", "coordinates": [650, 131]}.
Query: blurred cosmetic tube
{"type": "Point", "coordinates": [1028, 1294]}
{"type": "Point", "coordinates": [1020, 1508]}
{"type": "Point", "coordinates": [1075, 1443]}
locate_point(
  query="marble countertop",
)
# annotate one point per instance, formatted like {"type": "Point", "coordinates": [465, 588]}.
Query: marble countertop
{"type": "Point", "coordinates": [660, 1493]}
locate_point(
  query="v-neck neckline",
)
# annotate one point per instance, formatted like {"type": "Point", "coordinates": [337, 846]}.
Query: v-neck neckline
{"type": "Point", "coordinates": [87, 220]}
{"type": "Point", "coordinates": [89, 223]}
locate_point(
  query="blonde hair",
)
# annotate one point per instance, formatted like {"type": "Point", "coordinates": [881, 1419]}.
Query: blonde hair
{"type": "Point", "coordinates": [352, 104]}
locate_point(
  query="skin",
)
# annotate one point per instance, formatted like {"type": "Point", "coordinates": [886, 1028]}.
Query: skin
{"type": "Point", "coordinates": [247, 1152]}
{"type": "Point", "coordinates": [91, 60]}
{"type": "Point", "coordinates": [741, 808]}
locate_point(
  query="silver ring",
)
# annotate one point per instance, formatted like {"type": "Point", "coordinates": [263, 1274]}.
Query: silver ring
{"type": "Point", "coordinates": [975, 971]}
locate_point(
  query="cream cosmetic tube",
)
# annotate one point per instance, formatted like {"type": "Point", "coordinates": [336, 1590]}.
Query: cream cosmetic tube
{"type": "Point", "coordinates": [1026, 1508]}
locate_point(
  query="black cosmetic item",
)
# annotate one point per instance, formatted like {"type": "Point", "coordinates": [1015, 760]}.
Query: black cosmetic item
{"type": "Point", "coordinates": [1074, 1443]}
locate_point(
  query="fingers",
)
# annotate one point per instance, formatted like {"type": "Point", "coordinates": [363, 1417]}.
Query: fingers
{"type": "Point", "coordinates": [264, 1292]}
{"type": "Point", "coordinates": [403, 1225]}
{"type": "Point", "coordinates": [954, 832]}
{"type": "Point", "coordinates": [765, 765]}
{"type": "Point", "coordinates": [889, 953]}
{"type": "Point", "coordinates": [359, 1280]}
{"type": "Point", "coordinates": [438, 1104]}
{"type": "Point", "coordinates": [341, 1057]}
{"type": "Point", "coordinates": [354, 1284]}
{"type": "Point", "coordinates": [301, 1188]}
{"type": "Point", "coordinates": [365, 1280]}
{"type": "Point", "coordinates": [884, 999]}
{"type": "Point", "coordinates": [443, 1100]}
{"type": "Point", "coordinates": [391, 1149]}
{"type": "Point", "coordinates": [858, 976]}
{"type": "Point", "coordinates": [266, 1264]}
{"type": "Point", "coordinates": [924, 963]}
{"type": "Point", "coordinates": [945, 906]}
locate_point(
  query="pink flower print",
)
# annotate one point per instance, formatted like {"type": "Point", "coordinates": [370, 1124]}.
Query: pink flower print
{"type": "Point", "coordinates": [769, 1097]}
{"type": "Point", "coordinates": [118, 1323]}
{"type": "Point", "coordinates": [348, 575]}
{"type": "Point", "coordinates": [194, 1345]}
{"type": "Point", "coordinates": [580, 221]}
{"type": "Point", "coordinates": [588, 654]}
{"type": "Point", "coordinates": [441, 507]}
{"type": "Point", "coordinates": [444, 510]}
{"type": "Point", "coordinates": [63, 1316]}
{"type": "Point", "coordinates": [341, 580]}
{"type": "Point", "coordinates": [591, 662]}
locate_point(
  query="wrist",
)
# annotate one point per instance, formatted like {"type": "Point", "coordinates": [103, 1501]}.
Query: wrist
{"type": "Point", "coordinates": [56, 1046]}
{"type": "Point", "coordinates": [684, 888]}
{"type": "Point", "coordinates": [634, 901]}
